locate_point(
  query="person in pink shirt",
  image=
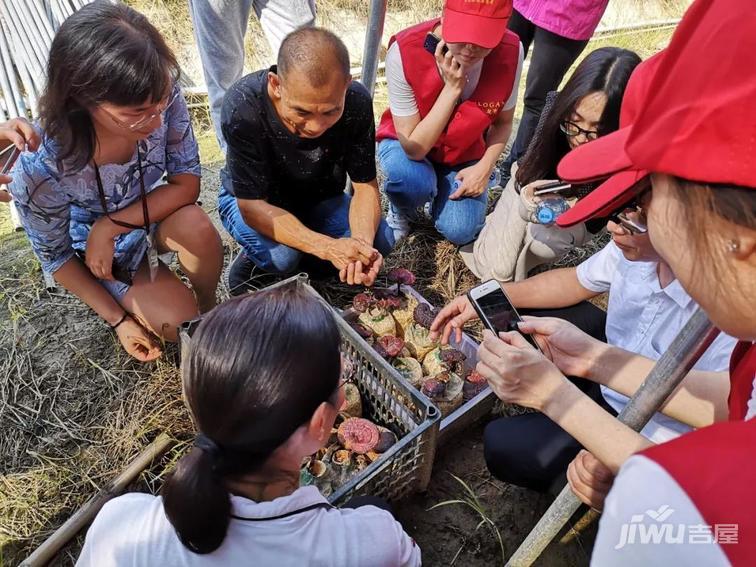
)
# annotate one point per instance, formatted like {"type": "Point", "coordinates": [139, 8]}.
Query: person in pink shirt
{"type": "Point", "coordinates": [559, 30]}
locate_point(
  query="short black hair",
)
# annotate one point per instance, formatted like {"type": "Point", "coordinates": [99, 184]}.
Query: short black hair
{"type": "Point", "coordinates": [316, 52]}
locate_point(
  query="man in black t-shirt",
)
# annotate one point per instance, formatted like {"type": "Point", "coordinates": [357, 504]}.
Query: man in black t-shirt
{"type": "Point", "coordinates": [294, 133]}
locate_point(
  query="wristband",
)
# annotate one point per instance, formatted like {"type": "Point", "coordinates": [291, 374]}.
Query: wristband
{"type": "Point", "coordinates": [126, 315]}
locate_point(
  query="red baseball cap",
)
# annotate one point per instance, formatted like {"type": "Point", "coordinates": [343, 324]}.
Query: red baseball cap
{"type": "Point", "coordinates": [696, 121]}
{"type": "Point", "coordinates": [480, 22]}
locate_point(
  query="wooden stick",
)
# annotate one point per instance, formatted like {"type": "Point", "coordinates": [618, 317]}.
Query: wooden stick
{"type": "Point", "coordinates": [45, 552]}
{"type": "Point", "coordinates": [585, 521]}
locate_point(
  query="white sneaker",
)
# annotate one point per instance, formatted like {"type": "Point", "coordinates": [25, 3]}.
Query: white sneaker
{"type": "Point", "coordinates": [398, 222]}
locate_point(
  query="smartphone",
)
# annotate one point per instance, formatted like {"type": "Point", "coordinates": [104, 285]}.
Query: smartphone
{"type": "Point", "coordinates": [554, 187]}
{"type": "Point", "coordinates": [495, 309]}
{"type": "Point", "coordinates": [8, 156]}
{"type": "Point", "coordinates": [431, 43]}
{"type": "Point", "coordinates": [632, 226]}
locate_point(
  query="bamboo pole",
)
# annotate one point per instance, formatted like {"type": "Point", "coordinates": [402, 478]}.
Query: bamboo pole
{"type": "Point", "coordinates": [24, 58]}
{"type": "Point", "coordinates": [45, 552]}
{"type": "Point", "coordinates": [9, 83]}
{"type": "Point", "coordinates": [44, 20]}
{"type": "Point", "coordinates": [691, 342]}
{"type": "Point", "coordinates": [11, 105]}
{"type": "Point", "coordinates": [25, 46]}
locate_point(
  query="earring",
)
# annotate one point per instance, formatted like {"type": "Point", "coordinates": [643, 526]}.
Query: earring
{"type": "Point", "coordinates": [733, 246]}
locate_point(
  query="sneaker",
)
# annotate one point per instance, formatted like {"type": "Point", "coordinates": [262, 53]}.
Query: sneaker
{"type": "Point", "coordinates": [240, 274]}
{"type": "Point", "coordinates": [398, 222]}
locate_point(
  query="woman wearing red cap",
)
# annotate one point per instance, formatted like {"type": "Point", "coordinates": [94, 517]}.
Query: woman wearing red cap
{"type": "Point", "coordinates": [452, 91]}
{"type": "Point", "coordinates": [692, 146]}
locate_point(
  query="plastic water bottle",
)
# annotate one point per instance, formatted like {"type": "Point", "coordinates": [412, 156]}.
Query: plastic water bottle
{"type": "Point", "coordinates": [549, 208]}
{"type": "Point", "coordinates": [494, 180]}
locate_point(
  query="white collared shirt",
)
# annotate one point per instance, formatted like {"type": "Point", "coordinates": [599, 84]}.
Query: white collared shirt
{"type": "Point", "coordinates": [644, 318]}
{"type": "Point", "coordinates": [134, 530]}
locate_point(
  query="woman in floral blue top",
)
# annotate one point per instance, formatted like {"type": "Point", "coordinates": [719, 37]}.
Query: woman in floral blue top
{"type": "Point", "coordinates": [115, 180]}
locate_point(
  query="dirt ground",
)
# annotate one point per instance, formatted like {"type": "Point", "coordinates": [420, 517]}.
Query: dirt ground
{"type": "Point", "coordinates": [449, 535]}
{"type": "Point", "coordinates": [74, 410]}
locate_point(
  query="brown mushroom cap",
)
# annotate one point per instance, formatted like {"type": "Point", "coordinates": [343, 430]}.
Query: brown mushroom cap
{"type": "Point", "coordinates": [424, 315]}
{"type": "Point", "coordinates": [433, 388]}
{"type": "Point", "coordinates": [401, 276]}
{"type": "Point", "coordinates": [358, 435]}
{"type": "Point", "coordinates": [392, 345]}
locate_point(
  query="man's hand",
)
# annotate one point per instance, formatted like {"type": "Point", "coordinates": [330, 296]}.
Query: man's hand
{"type": "Point", "coordinates": [356, 273]}
{"type": "Point", "coordinates": [452, 318]}
{"type": "Point", "coordinates": [589, 479]}
{"type": "Point", "coordinates": [344, 251]}
{"type": "Point", "coordinates": [101, 248]}
{"type": "Point", "coordinates": [472, 180]}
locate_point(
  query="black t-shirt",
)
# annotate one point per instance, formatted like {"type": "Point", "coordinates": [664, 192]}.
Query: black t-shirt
{"type": "Point", "coordinates": [264, 160]}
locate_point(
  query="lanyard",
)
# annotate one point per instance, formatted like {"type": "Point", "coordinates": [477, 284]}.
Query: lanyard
{"type": "Point", "coordinates": [142, 191]}
{"type": "Point", "coordinates": [325, 505]}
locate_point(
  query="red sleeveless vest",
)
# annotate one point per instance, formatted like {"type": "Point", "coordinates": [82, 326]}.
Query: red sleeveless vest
{"type": "Point", "coordinates": [462, 139]}
{"type": "Point", "coordinates": [716, 467]}
{"type": "Point", "coordinates": [742, 371]}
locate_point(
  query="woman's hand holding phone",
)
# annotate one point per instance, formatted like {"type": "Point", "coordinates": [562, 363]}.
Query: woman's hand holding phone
{"type": "Point", "coordinates": [452, 318]}
{"type": "Point", "coordinates": [517, 372]}
{"type": "Point", "coordinates": [572, 351]}
{"type": "Point", "coordinates": [453, 73]}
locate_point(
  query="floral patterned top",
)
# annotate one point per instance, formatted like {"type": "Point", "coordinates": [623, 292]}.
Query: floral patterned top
{"type": "Point", "coordinates": [58, 208]}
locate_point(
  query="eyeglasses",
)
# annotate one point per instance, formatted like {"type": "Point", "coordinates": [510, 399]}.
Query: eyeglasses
{"type": "Point", "coordinates": [571, 129]}
{"type": "Point", "coordinates": [636, 225]}
{"type": "Point", "coordinates": [142, 122]}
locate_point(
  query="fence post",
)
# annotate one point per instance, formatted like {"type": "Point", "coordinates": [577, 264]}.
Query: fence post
{"type": "Point", "coordinates": [691, 342]}
{"type": "Point", "coordinates": [372, 48]}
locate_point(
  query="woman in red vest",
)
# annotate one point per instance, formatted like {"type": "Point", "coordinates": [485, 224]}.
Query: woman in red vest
{"type": "Point", "coordinates": [688, 162]}
{"type": "Point", "coordinates": [452, 90]}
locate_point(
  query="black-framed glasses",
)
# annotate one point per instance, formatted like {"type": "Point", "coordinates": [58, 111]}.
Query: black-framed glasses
{"type": "Point", "coordinates": [571, 130]}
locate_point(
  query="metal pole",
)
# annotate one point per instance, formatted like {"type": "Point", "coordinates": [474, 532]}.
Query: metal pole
{"type": "Point", "coordinates": [373, 43]}
{"type": "Point", "coordinates": [691, 342]}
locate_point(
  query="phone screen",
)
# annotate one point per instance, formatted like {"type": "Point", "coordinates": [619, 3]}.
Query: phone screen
{"type": "Point", "coordinates": [497, 312]}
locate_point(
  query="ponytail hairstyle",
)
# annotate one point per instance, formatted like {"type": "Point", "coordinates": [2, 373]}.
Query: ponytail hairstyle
{"type": "Point", "coordinates": [258, 368]}
{"type": "Point", "coordinates": [606, 70]}
{"type": "Point", "coordinates": [105, 52]}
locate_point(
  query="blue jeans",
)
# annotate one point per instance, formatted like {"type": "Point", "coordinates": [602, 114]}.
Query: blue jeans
{"type": "Point", "coordinates": [410, 184]}
{"type": "Point", "coordinates": [330, 217]}
{"type": "Point", "coordinates": [219, 30]}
